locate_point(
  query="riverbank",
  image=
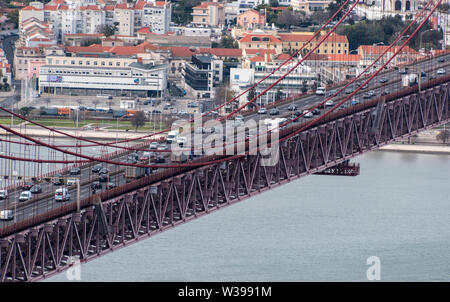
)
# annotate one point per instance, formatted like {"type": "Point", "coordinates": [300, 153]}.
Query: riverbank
{"type": "Point", "coordinates": [416, 148]}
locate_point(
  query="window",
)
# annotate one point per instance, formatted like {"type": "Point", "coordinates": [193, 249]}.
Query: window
{"type": "Point", "coordinates": [117, 63]}
{"type": "Point", "coordinates": [103, 63]}
{"type": "Point", "coordinates": [72, 62]}
{"type": "Point", "coordinates": [95, 63]}
{"type": "Point", "coordinates": [110, 63]}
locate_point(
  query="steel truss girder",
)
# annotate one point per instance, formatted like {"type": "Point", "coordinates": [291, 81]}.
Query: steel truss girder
{"type": "Point", "coordinates": [46, 249]}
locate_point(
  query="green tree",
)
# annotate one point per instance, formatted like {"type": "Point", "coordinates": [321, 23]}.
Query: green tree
{"type": "Point", "coordinates": [251, 94]}
{"type": "Point", "coordinates": [443, 136]}
{"type": "Point", "coordinates": [25, 111]}
{"type": "Point", "coordinates": [13, 17]}
{"type": "Point", "coordinates": [138, 120]}
{"type": "Point", "coordinates": [333, 7]}
{"type": "Point", "coordinates": [108, 30]}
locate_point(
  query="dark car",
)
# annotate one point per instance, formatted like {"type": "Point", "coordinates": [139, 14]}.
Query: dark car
{"type": "Point", "coordinates": [58, 180]}
{"type": "Point", "coordinates": [75, 171]}
{"type": "Point", "coordinates": [383, 80]}
{"type": "Point", "coordinates": [297, 113]}
{"type": "Point", "coordinates": [348, 91]}
{"type": "Point", "coordinates": [159, 160]}
{"type": "Point", "coordinates": [111, 185]}
{"type": "Point", "coordinates": [292, 107]}
{"type": "Point", "coordinates": [97, 168]}
{"type": "Point", "coordinates": [103, 171]}
{"type": "Point", "coordinates": [385, 92]}
{"type": "Point", "coordinates": [36, 189]}
{"type": "Point", "coordinates": [441, 60]}
{"type": "Point", "coordinates": [96, 185]}
{"type": "Point", "coordinates": [28, 185]}
{"type": "Point", "coordinates": [316, 111]}
{"type": "Point", "coordinates": [103, 178]}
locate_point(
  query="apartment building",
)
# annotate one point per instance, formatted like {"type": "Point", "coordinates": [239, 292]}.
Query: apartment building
{"type": "Point", "coordinates": [260, 40]}
{"type": "Point", "coordinates": [309, 6]}
{"type": "Point", "coordinates": [103, 73]}
{"type": "Point", "coordinates": [202, 75]}
{"type": "Point", "coordinates": [333, 44]}
{"type": "Point", "coordinates": [208, 14]}
{"type": "Point", "coordinates": [251, 19]}
{"type": "Point", "coordinates": [156, 16]}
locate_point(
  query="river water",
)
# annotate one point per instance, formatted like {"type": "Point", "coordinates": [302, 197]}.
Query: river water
{"type": "Point", "coordinates": [318, 228]}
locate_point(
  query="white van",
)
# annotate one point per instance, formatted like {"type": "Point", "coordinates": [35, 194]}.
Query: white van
{"type": "Point", "coordinates": [6, 215]}
{"type": "Point", "coordinates": [172, 136]}
{"type": "Point", "coordinates": [25, 195]}
{"type": "Point", "coordinates": [72, 181]}
{"type": "Point", "coordinates": [62, 194]}
{"type": "Point", "coordinates": [320, 91]}
{"type": "Point", "coordinates": [3, 194]}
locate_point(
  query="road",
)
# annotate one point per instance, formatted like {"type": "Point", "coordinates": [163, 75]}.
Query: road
{"type": "Point", "coordinates": [42, 205]}
{"type": "Point", "coordinates": [8, 48]}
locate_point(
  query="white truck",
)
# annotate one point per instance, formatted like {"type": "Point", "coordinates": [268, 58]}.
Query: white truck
{"type": "Point", "coordinates": [409, 79]}
{"type": "Point", "coordinates": [172, 136]}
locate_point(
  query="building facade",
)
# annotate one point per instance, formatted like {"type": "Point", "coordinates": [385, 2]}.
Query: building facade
{"type": "Point", "coordinates": [208, 14]}
{"type": "Point", "coordinates": [202, 75]}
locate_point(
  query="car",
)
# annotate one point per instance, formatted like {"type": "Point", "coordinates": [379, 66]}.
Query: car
{"type": "Point", "coordinates": [262, 110]}
{"type": "Point", "coordinates": [320, 91]}
{"type": "Point", "coordinates": [365, 86]}
{"type": "Point", "coordinates": [440, 71]}
{"type": "Point", "coordinates": [58, 180]}
{"type": "Point", "coordinates": [239, 118]}
{"type": "Point", "coordinates": [6, 215]}
{"type": "Point", "coordinates": [159, 160]}
{"type": "Point", "coordinates": [96, 185]}
{"type": "Point", "coordinates": [103, 171]}
{"type": "Point", "coordinates": [403, 71]}
{"type": "Point", "coordinates": [154, 145]}
{"type": "Point", "coordinates": [329, 103]}
{"type": "Point", "coordinates": [156, 111]}
{"type": "Point", "coordinates": [27, 185]}
{"type": "Point", "coordinates": [348, 90]}
{"type": "Point", "coordinates": [25, 195]}
{"type": "Point", "coordinates": [297, 113]}
{"type": "Point", "coordinates": [383, 80]}
{"type": "Point", "coordinates": [182, 112]}
{"type": "Point", "coordinates": [97, 168]}
{"type": "Point", "coordinates": [293, 118]}
{"type": "Point", "coordinates": [192, 105]}
{"type": "Point", "coordinates": [3, 194]}
{"type": "Point", "coordinates": [307, 114]}
{"type": "Point", "coordinates": [371, 93]}
{"type": "Point", "coordinates": [111, 185]}
{"type": "Point", "coordinates": [423, 74]}
{"type": "Point", "coordinates": [103, 178]}
{"type": "Point", "coordinates": [162, 147]}
{"type": "Point", "coordinates": [355, 101]}
{"type": "Point", "coordinates": [62, 194]}
{"type": "Point", "coordinates": [316, 111]}
{"type": "Point", "coordinates": [292, 107]}
{"type": "Point", "coordinates": [274, 111]}
{"type": "Point", "coordinates": [441, 60]}
{"type": "Point", "coordinates": [385, 92]}
{"type": "Point", "coordinates": [36, 189]}
{"type": "Point", "coordinates": [72, 181]}
{"type": "Point", "coordinates": [75, 171]}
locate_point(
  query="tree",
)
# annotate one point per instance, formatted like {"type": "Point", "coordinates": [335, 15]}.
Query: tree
{"type": "Point", "coordinates": [182, 11]}
{"type": "Point", "coordinates": [443, 136]}
{"type": "Point", "coordinates": [89, 42]}
{"type": "Point", "coordinates": [250, 96]}
{"type": "Point", "coordinates": [13, 17]}
{"type": "Point", "coordinates": [319, 17]}
{"type": "Point", "coordinates": [25, 111]}
{"type": "Point", "coordinates": [138, 119]}
{"type": "Point", "coordinates": [333, 7]}
{"type": "Point", "coordinates": [288, 18]}
{"type": "Point", "coordinates": [223, 94]}
{"type": "Point", "coordinates": [225, 42]}
{"type": "Point", "coordinates": [279, 95]}
{"type": "Point", "coordinates": [108, 30]}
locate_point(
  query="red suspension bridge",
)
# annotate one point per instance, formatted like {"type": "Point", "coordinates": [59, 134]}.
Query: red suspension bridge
{"type": "Point", "coordinates": [315, 134]}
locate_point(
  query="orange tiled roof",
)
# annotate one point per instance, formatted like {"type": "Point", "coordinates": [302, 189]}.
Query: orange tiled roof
{"type": "Point", "coordinates": [223, 52]}
{"type": "Point", "coordinates": [248, 38]}
{"type": "Point", "coordinates": [204, 5]}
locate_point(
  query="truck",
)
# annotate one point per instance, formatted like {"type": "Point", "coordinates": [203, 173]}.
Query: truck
{"type": "Point", "coordinates": [172, 136]}
{"type": "Point", "coordinates": [132, 173]}
{"type": "Point", "coordinates": [179, 157]}
{"type": "Point", "coordinates": [119, 113]}
{"type": "Point", "coordinates": [409, 79]}
{"type": "Point", "coordinates": [131, 112]}
{"type": "Point", "coordinates": [63, 111]}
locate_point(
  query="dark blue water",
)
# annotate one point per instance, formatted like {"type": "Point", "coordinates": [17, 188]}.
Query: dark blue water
{"type": "Point", "coordinates": [319, 228]}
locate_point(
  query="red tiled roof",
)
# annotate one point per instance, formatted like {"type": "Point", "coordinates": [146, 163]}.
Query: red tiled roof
{"type": "Point", "coordinates": [204, 5]}
{"type": "Point", "coordinates": [109, 7]}
{"type": "Point", "coordinates": [182, 52]}
{"type": "Point", "coordinates": [282, 57]}
{"type": "Point", "coordinates": [223, 52]}
{"type": "Point", "coordinates": [140, 4]}
{"type": "Point", "coordinates": [132, 50]}
{"type": "Point", "coordinates": [83, 34]}
{"type": "Point", "coordinates": [248, 38]}
{"type": "Point", "coordinates": [91, 48]}
{"type": "Point", "coordinates": [379, 49]}
{"type": "Point", "coordinates": [122, 6]}
{"type": "Point", "coordinates": [51, 7]}
{"type": "Point", "coordinates": [29, 7]}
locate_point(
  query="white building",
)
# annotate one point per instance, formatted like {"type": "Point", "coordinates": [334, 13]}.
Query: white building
{"type": "Point", "coordinates": [102, 74]}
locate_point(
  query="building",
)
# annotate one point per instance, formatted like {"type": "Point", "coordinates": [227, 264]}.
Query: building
{"type": "Point", "coordinates": [208, 14]}
{"type": "Point", "coordinates": [383, 8]}
{"type": "Point", "coordinates": [102, 74]}
{"type": "Point", "coordinates": [333, 44]}
{"type": "Point", "coordinates": [251, 19]}
{"type": "Point", "coordinates": [170, 39]}
{"type": "Point", "coordinates": [310, 6]}
{"type": "Point", "coordinates": [260, 40]}
{"type": "Point", "coordinates": [157, 16]}
{"type": "Point", "coordinates": [202, 75]}
{"type": "Point", "coordinates": [369, 53]}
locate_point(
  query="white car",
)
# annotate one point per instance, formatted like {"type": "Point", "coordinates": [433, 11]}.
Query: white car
{"type": "Point", "coordinates": [72, 181]}
{"type": "Point", "coordinates": [329, 103]}
{"type": "Point", "coordinates": [307, 114]}
{"type": "Point", "coordinates": [6, 215]}
{"type": "Point", "coordinates": [25, 195]}
{"type": "Point", "coordinates": [320, 91]}
{"type": "Point", "coordinates": [441, 71]}
{"type": "Point", "coordinates": [262, 110]}
{"type": "Point", "coordinates": [3, 194]}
